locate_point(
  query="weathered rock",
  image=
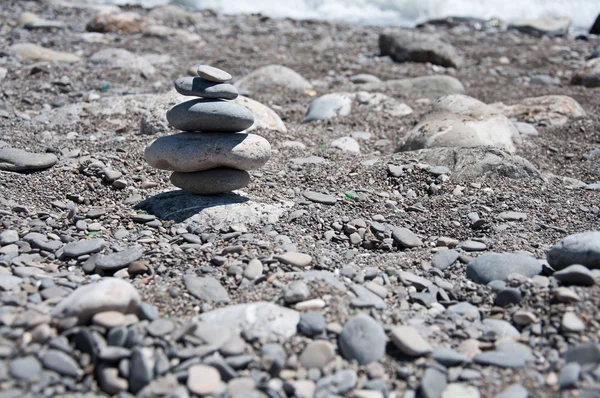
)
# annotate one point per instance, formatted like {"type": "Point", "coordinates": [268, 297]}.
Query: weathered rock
{"type": "Point", "coordinates": [213, 74]}
{"type": "Point", "coordinates": [82, 247]}
{"type": "Point", "coordinates": [462, 121]}
{"type": "Point", "coordinates": [552, 110]}
{"type": "Point", "coordinates": [13, 159]}
{"type": "Point", "coordinates": [418, 87]}
{"type": "Point", "coordinates": [258, 320]}
{"type": "Point", "coordinates": [204, 380]}
{"type": "Point", "coordinates": [273, 76]}
{"type": "Point", "coordinates": [406, 238]}
{"type": "Point", "coordinates": [575, 275]}
{"type": "Point", "coordinates": [363, 339]}
{"type": "Point", "coordinates": [409, 341]}
{"type": "Point", "coordinates": [199, 87]}
{"type": "Point", "coordinates": [122, 22]}
{"type": "Point", "coordinates": [110, 294]}
{"type": "Point", "coordinates": [206, 288]}
{"type": "Point", "coordinates": [211, 182]}
{"type": "Point", "coordinates": [583, 248]}
{"type": "Point", "coordinates": [118, 260]}
{"type": "Point", "coordinates": [35, 52]}
{"type": "Point", "coordinates": [328, 106]}
{"type": "Point", "coordinates": [550, 26]}
{"type": "Point", "coordinates": [191, 152]}
{"type": "Point", "coordinates": [498, 266]}
{"type": "Point", "coordinates": [210, 115]}
{"type": "Point", "coordinates": [264, 117]}
{"type": "Point", "coordinates": [411, 46]}
{"type": "Point", "coordinates": [468, 163]}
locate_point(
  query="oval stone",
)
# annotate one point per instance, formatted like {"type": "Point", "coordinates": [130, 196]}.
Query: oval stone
{"type": "Point", "coordinates": [199, 87]}
{"type": "Point", "coordinates": [210, 115]}
{"type": "Point", "coordinates": [211, 182]}
{"type": "Point", "coordinates": [213, 74]}
{"type": "Point", "coordinates": [191, 152]}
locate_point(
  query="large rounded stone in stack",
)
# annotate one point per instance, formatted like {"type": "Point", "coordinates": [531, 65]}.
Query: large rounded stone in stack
{"type": "Point", "coordinates": [212, 155]}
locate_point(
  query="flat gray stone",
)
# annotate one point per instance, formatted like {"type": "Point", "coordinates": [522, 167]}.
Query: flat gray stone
{"type": "Point", "coordinates": [362, 339]}
{"type": "Point", "coordinates": [116, 261]}
{"type": "Point", "coordinates": [443, 259]}
{"type": "Point", "coordinates": [83, 247]}
{"type": "Point", "coordinates": [496, 329]}
{"type": "Point", "coordinates": [317, 354]}
{"type": "Point", "coordinates": [211, 182]}
{"type": "Point", "coordinates": [210, 116]}
{"type": "Point", "coordinates": [366, 298]}
{"type": "Point", "coordinates": [13, 159]}
{"type": "Point", "coordinates": [448, 357]}
{"type": "Point", "coordinates": [583, 248]}
{"type": "Point", "coordinates": [294, 259]}
{"type": "Point", "coordinates": [25, 368]}
{"type": "Point", "coordinates": [213, 74]}
{"type": "Point", "coordinates": [575, 275]}
{"type": "Point", "coordinates": [199, 87]}
{"type": "Point", "coordinates": [8, 237]}
{"type": "Point", "coordinates": [141, 369]}
{"type": "Point", "coordinates": [410, 46]}
{"type": "Point", "coordinates": [498, 266]}
{"type": "Point", "coordinates": [160, 327]}
{"type": "Point", "coordinates": [257, 320]}
{"type": "Point", "coordinates": [514, 391]}
{"type": "Point", "coordinates": [319, 197]}
{"type": "Point", "coordinates": [583, 354]}
{"type": "Point", "coordinates": [61, 363]}
{"type": "Point", "coordinates": [328, 106]}
{"type": "Point", "coordinates": [309, 160]}
{"type": "Point", "coordinates": [409, 341]}
{"type": "Point", "coordinates": [206, 288]}
{"type": "Point", "coordinates": [500, 359]}
{"type": "Point", "coordinates": [571, 323]}
{"type": "Point", "coordinates": [433, 383]}
{"type": "Point", "coordinates": [569, 375]}
{"type": "Point", "coordinates": [406, 238]}
{"type": "Point", "coordinates": [191, 152]}
{"type": "Point", "coordinates": [9, 282]}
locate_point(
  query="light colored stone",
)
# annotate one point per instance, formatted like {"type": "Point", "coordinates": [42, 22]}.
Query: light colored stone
{"type": "Point", "coordinates": [191, 152]}
{"type": "Point", "coordinates": [213, 74]}
{"type": "Point", "coordinates": [328, 106]}
{"type": "Point", "coordinates": [549, 26]}
{"type": "Point", "coordinates": [294, 259]}
{"type": "Point", "coordinates": [264, 117]}
{"type": "Point", "coordinates": [410, 341]}
{"type": "Point", "coordinates": [273, 76]}
{"type": "Point", "coordinates": [204, 380]}
{"type": "Point", "coordinates": [553, 110]}
{"type": "Point", "coordinates": [420, 87]}
{"type": "Point", "coordinates": [35, 52]}
{"type": "Point", "coordinates": [119, 58]}
{"type": "Point", "coordinates": [589, 75]}
{"type": "Point", "coordinates": [346, 144]}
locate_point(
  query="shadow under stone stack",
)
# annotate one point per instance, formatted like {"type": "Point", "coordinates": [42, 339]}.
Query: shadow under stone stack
{"type": "Point", "coordinates": [213, 154]}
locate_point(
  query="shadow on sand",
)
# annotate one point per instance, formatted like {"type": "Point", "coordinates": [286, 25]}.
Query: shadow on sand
{"type": "Point", "coordinates": [179, 205]}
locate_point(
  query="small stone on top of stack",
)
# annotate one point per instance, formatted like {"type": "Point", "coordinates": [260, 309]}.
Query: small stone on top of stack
{"type": "Point", "coordinates": [212, 155]}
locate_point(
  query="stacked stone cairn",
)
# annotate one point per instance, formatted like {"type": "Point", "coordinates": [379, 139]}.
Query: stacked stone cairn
{"type": "Point", "coordinates": [212, 155]}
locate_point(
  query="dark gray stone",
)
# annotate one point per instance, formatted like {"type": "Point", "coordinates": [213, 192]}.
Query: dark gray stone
{"type": "Point", "coordinates": [583, 248]}
{"type": "Point", "coordinates": [311, 324]}
{"type": "Point", "coordinates": [575, 275]}
{"type": "Point", "coordinates": [507, 297]}
{"type": "Point", "coordinates": [498, 266]}
{"type": "Point", "coordinates": [13, 159]}
{"type": "Point", "coordinates": [199, 87]}
{"type": "Point", "coordinates": [443, 259]}
{"type": "Point", "coordinates": [569, 375]}
{"type": "Point", "coordinates": [363, 339]}
{"type": "Point", "coordinates": [433, 383]}
{"type": "Point", "coordinates": [206, 288]}
{"type": "Point", "coordinates": [210, 115]}
{"type": "Point", "coordinates": [448, 357]}
{"type": "Point", "coordinates": [141, 370]}
{"type": "Point", "coordinates": [82, 247]}
{"type": "Point", "coordinates": [410, 46]}
{"type": "Point", "coordinates": [406, 238]}
{"type": "Point", "coordinates": [583, 354]}
{"type": "Point", "coordinates": [115, 261]}
{"type": "Point", "coordinates": [61, 363]}
{"type": "Point", "coordinates": [366, 298]}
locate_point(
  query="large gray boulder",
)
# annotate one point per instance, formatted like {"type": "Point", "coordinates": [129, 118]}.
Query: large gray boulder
{"type": "Point", "coordinates": [462, 121]}
{"type": "Point", "coordinates": [411, 46]}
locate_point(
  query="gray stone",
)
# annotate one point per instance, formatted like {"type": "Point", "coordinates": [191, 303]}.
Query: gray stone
{"type": "Point", "coordinates": [575, 275]}
{"type": "Point", "coordinates": [8, 237]}
{"type": "Point", "coordinates": [444, 258]}
{"type": "Point", "coordinates": [448, 357]}
{"type": "Point", "coordinates": [328, 106]}
{"type": "Point", "coordinates": [406, 238]}
{"type": "Point", "coordinates": [551, 110]}
{"type": "Point", "coordinates": [319, 197]}
{"type": "Point", "coordinates": [141, 369]}
{"type": "Point", "coordinates": [213, 74]}
{"type": "Point", "coordinates": [548, 26]}
{"type": "Point", "coordinates": [433, 383]}
{"type": "Point", "coordinates": [206, 288]}
{"type": "Point", "coordinates": [13, 159]}
{"type": "Point", "coordinates": [191, 152]}
{"type": "Point", "coordinates": [273, 76]}
{"type": "Point", "coordinates": [199, 87]}
{"type": "Point", "coordinates": [506, 297]}
{"type": "Point", "coordinates": [544, 80]}
{"type": "Point", "coordinates": [516, 349]}
{"type": "Point", "coordinates": [116, 261]}
{"type": "Point", "coordinates": [254, 269]}
{"type": "Point", "coordinates": [409, 341]}
{"type": "Point", "coordinates": [119, 58]}
{"type": "Point", "coordinates": [362, 339]}
{"type": "Point", "coordinates": [498, 266]}
{"type": "Point", "coordinates": [583, 354]}
{"type": "Point", "coordinates": [210, 115]}
{"type": "Point", "coordinates": [569, 375]}
{"type": "Point", "coordinates": [497, 329]}
{"type": "Point", "coordinates": [204, 380]}
{"type": "Point", "coordinates": [462, 121]}
{"type": "Point", "coordinates": [38, 53]}
{"type": "Point", "coordinates": [500, 359]}
{"type": "Point", "coordinates": [109, 294]}
{"type": "Point", "coordinates": [589, 75]}
{"type": "Point", "coordinates": [211, 182]}
{"type": "Point", "coordinates": [257, 320]}
{"type": "Point", "coordinates": [311, 324]}
{"type": "Point", "coordinates": [25, 368]}
{"type": "Point", "coordinates": [296, 292]}
{"type": "Point", "coordinates": [571, 323]}
{"type": "Point", "coordinates": [61, 363]}
{"type": "Point", "coordinates": [526, 129]}
{"type": "Point", "coordinates": [317, 354]}
{"type": "Point", "coordinates": [582, 248]}
{"type": "Point", "coordinates": [160, 327]}
{"type": "Point", "coordinates": [83, 247]}
{"type": "Point", "coordinates": [346, 144]}
{"type": "Point", "coordinates": [362, 78]}
{"type": "Point", "coordinates": [9, 282]}
{"type": "Point", "coordinates": [340, 383]}
{"type": "Point", "coordinates": [366, 298]}
{"type": "Point", "coordinates": [294, 259]}
{"type": "Point", "coordinates": [481, 162]}
{"type": "Point", "coordinates": [410, 46]}
{"type": "Point", "coordinates": [109, 380]}
{"type": "Point", "coordinates": [420, 87]}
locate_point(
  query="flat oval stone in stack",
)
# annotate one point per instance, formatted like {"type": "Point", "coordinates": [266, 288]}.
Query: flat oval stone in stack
{"type": "Point", "coordinates": [212, 155]}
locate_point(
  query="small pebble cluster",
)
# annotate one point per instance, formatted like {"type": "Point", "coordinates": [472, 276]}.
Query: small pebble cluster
{"type": "Point", "coordinates": [211, 156]}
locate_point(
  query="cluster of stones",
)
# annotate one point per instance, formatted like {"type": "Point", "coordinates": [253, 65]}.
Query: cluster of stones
{"type": "Point", "coordinates": [212, 155]}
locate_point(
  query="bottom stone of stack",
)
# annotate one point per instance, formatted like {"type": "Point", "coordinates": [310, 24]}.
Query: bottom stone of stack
{"type": "Point", "coordinates": [211, 182]}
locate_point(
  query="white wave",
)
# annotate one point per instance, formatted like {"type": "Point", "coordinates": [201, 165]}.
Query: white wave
{"type": "Point", "coordinates": [403, 12]}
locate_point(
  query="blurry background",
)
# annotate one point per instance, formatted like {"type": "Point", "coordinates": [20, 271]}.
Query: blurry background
{"type": "Point", "coordinates": [397, 12]}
